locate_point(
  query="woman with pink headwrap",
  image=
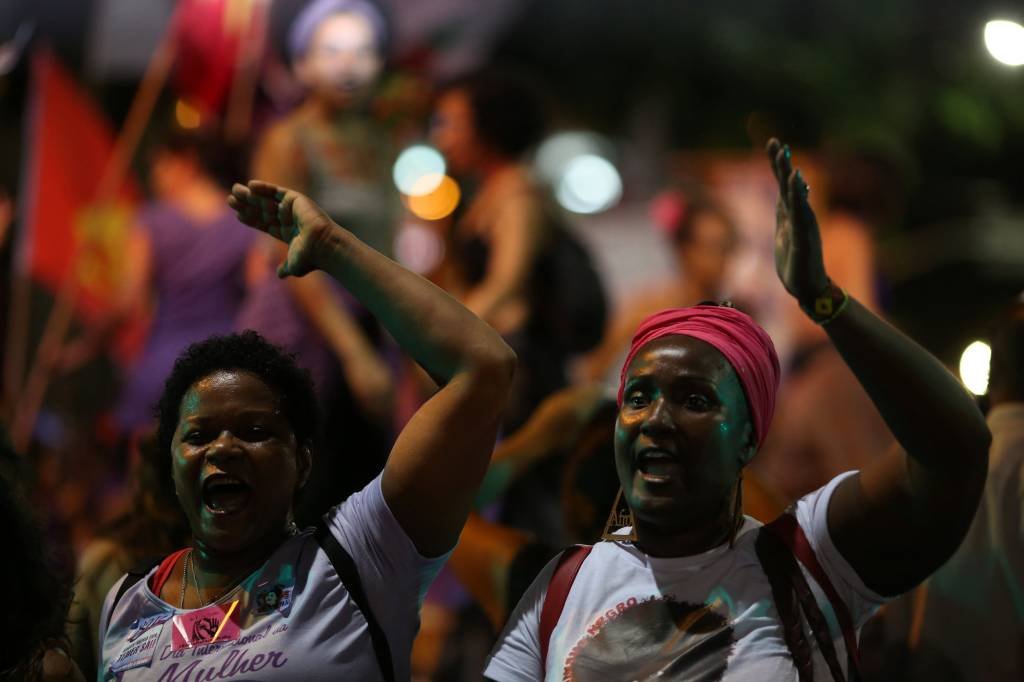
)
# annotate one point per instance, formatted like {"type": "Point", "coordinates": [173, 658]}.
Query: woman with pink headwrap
{"type": "Point", "coordinates": [688, 587]}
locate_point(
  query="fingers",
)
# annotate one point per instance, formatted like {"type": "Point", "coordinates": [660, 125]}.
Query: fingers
{"type": "Point", "coordinates": [783, 168]}
{"type": "Point", "coordinates": [285, 214]}
{"type": "Point", "coordinates": [792, 187]}
{"type": "Point", "coordinates": [244, 205]}
{"type": "Point", "coordinates": [265, 189]}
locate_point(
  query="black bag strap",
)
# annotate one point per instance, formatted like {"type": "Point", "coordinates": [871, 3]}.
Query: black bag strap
{"type": "Point", "coordinates": [346, 569]}
{"type": "Point", "coordinates": [792, 593]}
{"type": "Point", "coordinates": [772, 558]}
{"type": "Point", "coordinates": [134, 575]}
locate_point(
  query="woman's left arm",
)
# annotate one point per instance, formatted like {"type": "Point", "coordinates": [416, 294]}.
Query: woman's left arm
{"type": "Point", "coordinates": [439, 459]}
{"type": "Point", "coordinates": [900, 518]}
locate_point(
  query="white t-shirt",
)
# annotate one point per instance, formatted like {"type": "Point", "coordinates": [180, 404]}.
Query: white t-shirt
{"type": "Point", "coordinates": [707, 617]}
{"type": "Point", "coordinates": [292, 619]}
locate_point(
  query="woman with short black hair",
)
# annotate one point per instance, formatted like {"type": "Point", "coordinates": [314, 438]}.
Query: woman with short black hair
{"type": "Point", "coordinates": [252, 594]}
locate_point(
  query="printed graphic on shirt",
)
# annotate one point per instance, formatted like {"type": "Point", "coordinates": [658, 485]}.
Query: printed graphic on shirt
{"type": "Point", "coordinates": [655, 638]}
{"type": "Point", "coordinates": [274, 598]}
{"type": "Point", "coordinates": [205, 626]}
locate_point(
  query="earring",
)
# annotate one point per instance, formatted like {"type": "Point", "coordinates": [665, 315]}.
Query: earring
{"type": "Point", "coordinates": [737, 511]}
{"type": "Point", "coordinates": [621, 516]}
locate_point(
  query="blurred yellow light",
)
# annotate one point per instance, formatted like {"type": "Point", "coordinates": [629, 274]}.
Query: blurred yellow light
{"type": "Point", "coordinates": [188, 117]}
{"type": "Point", "coordinates": [438, 203]}
{"type": "Point", "coordinates": [1005, 41]}
{"type": "Point", "coordinates": [974, 367]}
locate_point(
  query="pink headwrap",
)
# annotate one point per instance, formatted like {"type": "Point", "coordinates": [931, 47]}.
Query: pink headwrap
{"type": "Point", "coordinates": [746, 346]}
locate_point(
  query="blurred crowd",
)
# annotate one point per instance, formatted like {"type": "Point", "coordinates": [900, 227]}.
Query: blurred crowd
{"type": "Point", "coordinates": [517, 259]}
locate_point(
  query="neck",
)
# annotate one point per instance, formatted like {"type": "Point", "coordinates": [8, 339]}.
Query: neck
{"type": "Point", "coordinates": [217, 569]}
{"type": "Point", "coordinates": [492, 165]}
{"type": "Point", "coordinates": [200, 198]}
{"type": "Point", "coordinates": [323, 110]}
{"type": "Point", "coordinates": [663, 540]}
{"type": "Point", "coordinates": [657, 541]}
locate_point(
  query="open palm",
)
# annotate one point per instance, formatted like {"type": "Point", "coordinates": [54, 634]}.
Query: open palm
{"type": "Point", "coordinates": [286, 215]}
{"type": "Point", "coordinates": [798, 256]}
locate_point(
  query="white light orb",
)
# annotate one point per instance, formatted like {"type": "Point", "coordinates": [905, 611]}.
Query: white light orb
{"type": "Point", "coordinates": [590, 184]}
{"type": "Point", "coordinates": [418, 170]}
{"type": "Point", "coordinates": [1005, 41]}
{"type": "Point", "coordinates": [974, 364]}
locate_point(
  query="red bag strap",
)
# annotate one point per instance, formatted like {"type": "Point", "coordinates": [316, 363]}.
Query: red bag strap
{"type": "Point", "coordinates": [163, 571]}
{"type": "Point", "coordinates": [558, 591]}
{"type": "Point", "coordinates": [789, 531]}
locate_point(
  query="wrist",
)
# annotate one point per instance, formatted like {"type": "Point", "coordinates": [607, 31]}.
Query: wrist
{"type": "Point", "coordinates": [332, 244]}
{"type": "Point", "coordinates": [827, 305]}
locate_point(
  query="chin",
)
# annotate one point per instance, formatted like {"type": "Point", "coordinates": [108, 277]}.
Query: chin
{"type": "Point", "coordinates": [658, 511]}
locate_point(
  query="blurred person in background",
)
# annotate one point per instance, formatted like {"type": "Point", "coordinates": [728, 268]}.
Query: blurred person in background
{"type": "Point", "coordinates": [237, 418]}
{"type": "Point", "coordinates": [702, 238]}
{"type": "Point", "coordinates": [692, 588]}
{"type": "Point", "coordinates": [152, 527]}
{"type": "Point", "coordinates": [34, 647]}
{"type": "Point", "coordinates": [186, 265]}
{"type": "Point", "coordinates": [967, 621]}
{"type": "Point", "coordinates": [511, 258]}
{"type": "Point", "coordinates": [332, 148]}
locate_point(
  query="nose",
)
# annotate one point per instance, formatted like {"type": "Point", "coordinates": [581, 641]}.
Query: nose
{"type": "Point", "coordinates": [225, 446]}
{"type": "Point", "coordinates": [657, 419]}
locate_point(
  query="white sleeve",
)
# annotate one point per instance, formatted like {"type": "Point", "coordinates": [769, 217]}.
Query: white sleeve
{"type": "Point", "coordinates": [812, 515]}
{"type": "Point", "coordinates": [105, 617]}
{"type": "Point", "coordinates": [516, 656]}
{"type": "Point", "coordinates": [385, 556]}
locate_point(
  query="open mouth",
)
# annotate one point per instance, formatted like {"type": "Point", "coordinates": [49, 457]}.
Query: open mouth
{"type": "Point", "coordinates": [225, 494]}
{"type": "Point", "coordinates": [657, 466]}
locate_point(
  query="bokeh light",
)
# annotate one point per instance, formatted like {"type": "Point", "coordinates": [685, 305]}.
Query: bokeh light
{"type": "Point", "coordinates": [187, 116]}
{"type": "Point", "coordinates": [1005, 41]}
{"type": "Point", "coordinates": [559, 150]}
{"type": "Point", "coordinates": [418, 170]}
{"type": "Point", "coordinates": [419, 247]}
{"type": "Point", "coordinates": [433, 204]}
{"type": "Point", "coordinates": [590, 185]}
{"type": "Point", "coordinates": [974, 365]}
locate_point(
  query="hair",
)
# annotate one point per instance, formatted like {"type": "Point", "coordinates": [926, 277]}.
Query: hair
{"type": "Point", "coordinates": [508, 111]}
{"type": "Point", "coordinates": [222, 162]}
{"type": "Point", "coordinates": [681, 233]}
{"type": "Point", "coordinates": [38, 596]}
{"type": "Point", "coordinates": [1006, 373]}
{"type": "Point", "coordinates": [248, 352]}
{"type": "Point", "coordinates": [307, 21]}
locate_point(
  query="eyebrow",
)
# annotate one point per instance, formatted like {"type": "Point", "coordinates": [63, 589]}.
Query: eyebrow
{"type": "Point", "coordinates": [200, 418]}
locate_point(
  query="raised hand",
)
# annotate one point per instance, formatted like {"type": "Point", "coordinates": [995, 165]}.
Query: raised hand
{"type": "Point", "coordinates": [798, 257]}
{"type": "Point", "coordinates": [286, 215]}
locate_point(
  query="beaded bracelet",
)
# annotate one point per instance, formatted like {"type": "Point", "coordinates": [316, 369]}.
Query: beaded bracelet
{"type": "Point", "coordinates": [828, 305]}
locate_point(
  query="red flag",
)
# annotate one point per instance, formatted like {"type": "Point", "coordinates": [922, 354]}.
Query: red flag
{"type": "Point", "coordinates": [70, 231]}
{"type": "Point", "coordinates": [208, 39]}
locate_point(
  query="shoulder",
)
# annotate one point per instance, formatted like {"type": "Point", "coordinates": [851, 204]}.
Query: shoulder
{"type": "Point", "coordinates": [100, 554]}
{"type": "Point", "coordinates": [281, 137]}
{"type": "Point", "coordinates": [811, 513]}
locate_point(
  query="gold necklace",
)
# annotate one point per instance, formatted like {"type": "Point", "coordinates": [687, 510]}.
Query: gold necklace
{"type": "Point", "coordinates": [184, 580]}
{"type": "Point", "coordinates": [188, 566]}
